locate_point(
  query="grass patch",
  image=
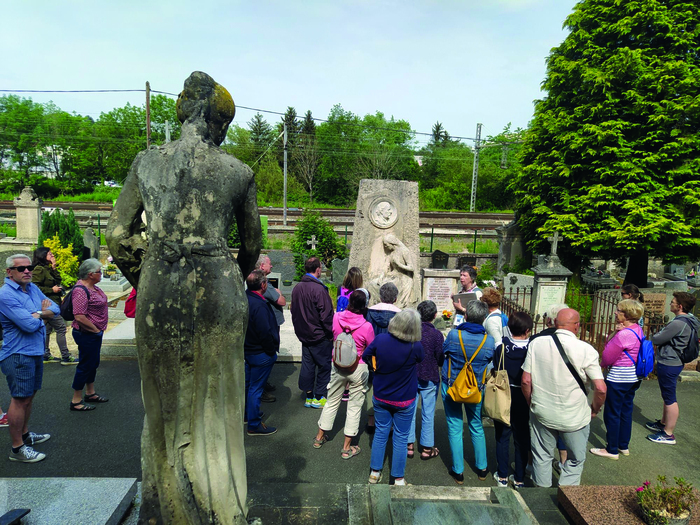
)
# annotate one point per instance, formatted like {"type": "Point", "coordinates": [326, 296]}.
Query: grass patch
{"type": "Point", "coordinates": [8, 229]}
{"type": "Point", "coordinates": [458, 245]}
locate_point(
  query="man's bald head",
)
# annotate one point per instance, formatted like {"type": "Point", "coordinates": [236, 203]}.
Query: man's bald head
{"type": "Point", "coordinates": [568, 319]}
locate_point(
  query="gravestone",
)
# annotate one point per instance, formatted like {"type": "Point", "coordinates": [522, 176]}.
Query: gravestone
{"type": "Point", "coordinates": [439, 260]}
{"type": "Point", "coordinates": [340, 269]}
{"type": "Point", "coordinates": [28, 213]}
{"type": "Point", "coordinates": [439, 286]}
{"type": "Point", "coordinates": [511, 245]}
{"type": "Point", "coordinates": [91, 244]}
{"type": "Point", "coordinates": [466, 260]}
{"type": "Point", "coordinates": [283, 262]}
{"type": "Point", "coordinates": [549, 287]}
{"type": "Point", "coordinates": [385, 238]}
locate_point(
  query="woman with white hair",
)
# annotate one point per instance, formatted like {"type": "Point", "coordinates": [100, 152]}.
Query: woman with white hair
{"type": "Point", "coordinates": [394, 357]}
{"type": "Point", "coordinates": [91, 318]}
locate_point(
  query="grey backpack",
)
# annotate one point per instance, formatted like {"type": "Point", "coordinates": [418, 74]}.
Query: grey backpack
{"type": "Point", "coordinates": [345, 356]}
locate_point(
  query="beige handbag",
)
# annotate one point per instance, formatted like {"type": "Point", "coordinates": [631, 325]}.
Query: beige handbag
{"type": "Point", "coordinates": [497, 393]}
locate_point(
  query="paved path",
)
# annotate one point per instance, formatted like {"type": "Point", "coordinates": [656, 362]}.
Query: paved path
{"type": "Point", "coordinates": [106, 441]}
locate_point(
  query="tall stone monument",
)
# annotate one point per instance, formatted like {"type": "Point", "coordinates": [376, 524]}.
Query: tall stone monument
{"type": "Point", "coordinates": [191, 312]}
{"type": "Point", "coordinates": [28, 213]}
{"type": "Point", "coordinates": [385, 240]}
{"type": "Point", "coordinates": [551, 278]}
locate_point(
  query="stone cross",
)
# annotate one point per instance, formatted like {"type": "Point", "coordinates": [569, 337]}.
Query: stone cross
{"type": "Point", "coordinates": [554, 240]}
{"type": "Point", "coordinates": [312, 242]}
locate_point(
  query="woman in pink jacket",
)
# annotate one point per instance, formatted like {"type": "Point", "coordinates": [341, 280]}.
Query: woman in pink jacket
{"type": "Point", "coordinates": [620, 355]}
{"type": "Point", "coordinates": [350, 321]}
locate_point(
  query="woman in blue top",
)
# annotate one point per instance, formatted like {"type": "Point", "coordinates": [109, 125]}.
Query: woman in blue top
{"type": "Point", "coordinates": [473, 335]}
{"type": "Point", "coordinates": [394, 357]}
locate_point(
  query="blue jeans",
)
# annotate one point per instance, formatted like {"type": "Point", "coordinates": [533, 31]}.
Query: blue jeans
{"type": "Point", "coordinates": [89, 345]}
{"type": "Point", "coordinates": [455, 431]}
{"type": "Point", "coordinates": [427, 390]}
{"type": "Point", "coordinates": [257, 370]}
{"type": "Point", "coordinates": [617, 414]}
{"type": "Point", "coordinates": [386, 416]}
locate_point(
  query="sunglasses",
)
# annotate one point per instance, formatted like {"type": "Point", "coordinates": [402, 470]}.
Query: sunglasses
{"type": "Point", "coordinates": [21, 269]}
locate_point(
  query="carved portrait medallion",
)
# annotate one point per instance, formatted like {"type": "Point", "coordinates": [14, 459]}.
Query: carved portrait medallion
{"type": "Point", "coordinates": [383, 213]}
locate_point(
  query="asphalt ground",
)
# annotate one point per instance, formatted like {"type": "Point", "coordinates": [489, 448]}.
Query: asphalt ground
{"type": "Point", "coordinates": [106, 442]}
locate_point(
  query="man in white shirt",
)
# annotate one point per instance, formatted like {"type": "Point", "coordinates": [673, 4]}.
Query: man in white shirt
{"type": "Point", "coordinates": [558, 405]}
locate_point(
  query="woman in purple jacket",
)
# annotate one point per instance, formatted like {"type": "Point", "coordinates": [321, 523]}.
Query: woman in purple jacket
{"type": "Point", "coordinates": [620, 355]}
{"type": "Point", "coordinates": [394, 357]}
{"type": "Point", "coordinates": [428, 381]}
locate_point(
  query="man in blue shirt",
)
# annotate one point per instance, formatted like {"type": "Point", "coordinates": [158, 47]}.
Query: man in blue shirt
{"type": "Point", "coordinates": [22, 310]}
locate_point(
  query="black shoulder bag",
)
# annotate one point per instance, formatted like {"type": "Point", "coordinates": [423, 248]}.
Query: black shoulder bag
{"type": "Point", "coordinates": [569, 365]}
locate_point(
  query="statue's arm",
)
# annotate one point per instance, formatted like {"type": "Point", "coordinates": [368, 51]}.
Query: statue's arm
{"type": "Point", "coordinates": [124, 239]}
{"type": "Point", "coordinates": [249, 229]}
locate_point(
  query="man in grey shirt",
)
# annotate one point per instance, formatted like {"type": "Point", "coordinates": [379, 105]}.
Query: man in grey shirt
{"type": "Point", "coordinates": [278, 302]}
{"type": "Point", "coordinates": [669, 342]}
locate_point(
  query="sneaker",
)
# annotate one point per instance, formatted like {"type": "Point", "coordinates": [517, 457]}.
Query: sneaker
{"type": "Point", "coordinates": [309, 402]}
{"type": "Point", "coordinates": [267, 397]}
{"type": "Point", "coordinates": [51, 359]}
{"type": "Point", "coordinates": [35, 439]}
{"type": "Point", "coordinates": [262, 430]}
{"type": "Point", "coordinates": [517, 485]}
{"type": "Point", "coordinates": [26, 455]}
{"type": "Point", "coordinates": [482, 473]}
{"type": "Point", "coordinates": [624, 451]}
{"type": "Point", "coordinates": [3, 421]}
{"type": "Point", "coordinates": [318, 403]}
{"type": "Point", "coordinates": [70, 360]}
{"type": "Point", "coordinates": [655, 426]}
{"type": "Point", "coordinates": [603, 453]}
{"type": "Point", "coordinates": [662, 437]}
{"type": "Point", "coordinates": [269, 387]}
{"type": "Point", "coordinates": [499, 481]}
{"type": "Point", "coordinates": [375, 476]}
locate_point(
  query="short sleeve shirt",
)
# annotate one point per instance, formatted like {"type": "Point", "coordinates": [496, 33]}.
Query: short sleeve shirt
{"type": "Point", "coordinates": [557, 400]}
{"type": "Point", "coordinates": [272, 296]}
{"type": "Point", "coordinates": [94, 308]}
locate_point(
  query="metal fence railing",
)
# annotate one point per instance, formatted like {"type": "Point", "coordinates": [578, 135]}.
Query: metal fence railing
{"type": "Point", "coordinates": [597, 311]}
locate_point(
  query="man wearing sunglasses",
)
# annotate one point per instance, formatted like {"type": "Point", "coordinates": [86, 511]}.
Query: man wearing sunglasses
{"type": "Point", "coordinates": [22, 310]}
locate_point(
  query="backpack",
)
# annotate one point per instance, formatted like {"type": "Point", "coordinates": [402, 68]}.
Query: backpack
{"type": "Point", "coordinates": [690, 352]}
{"type": "Point", "coordinates": [67, 304]}
{"type": "Point", "coordinates": [465, 388]}
{"type": "Point", "coordinates": [504, 323]}
{"type": "Point", "coordinates": [645, 358]}
{"type": "Point", "coordinates": [345, 356]}
{"type": "Point", "coordinates": [342, 304]}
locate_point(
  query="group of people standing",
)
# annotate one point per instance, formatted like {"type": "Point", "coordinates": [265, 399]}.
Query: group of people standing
{"type": "Point", "coordinates": [29, 311]}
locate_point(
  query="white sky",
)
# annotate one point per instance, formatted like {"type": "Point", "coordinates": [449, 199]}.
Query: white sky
{"type": "Point", "coordinates": [456, 61]}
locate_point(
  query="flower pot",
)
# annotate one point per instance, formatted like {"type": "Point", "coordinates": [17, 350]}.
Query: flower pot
{"type": "Point", "coordinates": [663, 520]}
{"type": "Point", "coordinates": [287, 282]}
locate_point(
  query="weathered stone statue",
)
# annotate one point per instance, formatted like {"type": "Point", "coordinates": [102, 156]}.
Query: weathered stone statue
{"type": "Point", "coordinates": [191, 311]}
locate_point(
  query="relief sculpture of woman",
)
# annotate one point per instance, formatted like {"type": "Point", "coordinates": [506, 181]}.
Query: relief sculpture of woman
{"type": "Point", "coordinates": [191, 312]}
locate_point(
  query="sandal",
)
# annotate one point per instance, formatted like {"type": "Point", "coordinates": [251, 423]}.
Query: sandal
{"type": "Point", "coordinates": [375, 477]}
{"type": "Point", "coordinates": [83, 407]}
{"type": "Point", "coordinates": [94, 398]}
{"type": "Point", "coordinates": [411, 452]}
{"type": "Point", "coordinates": [350, 452]}
{"type": "Point", "coordinates": [318, 443]}
{"type": "Point", "coordinates": [429, 453]}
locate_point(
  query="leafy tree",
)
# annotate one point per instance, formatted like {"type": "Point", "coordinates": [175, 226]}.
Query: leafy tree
{"type": "Point", "coordinates": [63, 225]}
{"type": "Point", "coordinates": [163, 108]}
{"type": "Point", "coordinates": [328, 244]}
{"type": "Point", "coordinates": [239, 144]}
{"type": "Point", "coordinates": [612, 156]}
{"type": "Point", "coordinates": [20, 123]}
{"type": "Point", "coordinates": [499, 164]}
{"type": "Point", "coordinates": [306, 155]}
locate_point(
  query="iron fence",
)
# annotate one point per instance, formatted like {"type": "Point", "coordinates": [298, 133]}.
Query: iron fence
{"type": "Point", "coordinates": [597, 310]}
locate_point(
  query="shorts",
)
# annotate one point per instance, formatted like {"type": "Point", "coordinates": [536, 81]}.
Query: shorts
{"type": "Point", "coordinates": [23, 373]}
{"type": "Point", "coordinates": [668, 377]}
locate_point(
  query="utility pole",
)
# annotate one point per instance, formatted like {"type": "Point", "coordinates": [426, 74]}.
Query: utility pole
{"type": "Point", "coordinates": [167, 131]}
{"type": "Point", "coordinates": [148, 115]}
{"type": "Point", "coordinates": [284, 216]}
{"type": "Point", "coordinates": [475, 171]}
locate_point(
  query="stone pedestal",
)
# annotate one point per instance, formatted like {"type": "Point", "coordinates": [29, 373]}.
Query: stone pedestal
{"type": "Point", "coordinates": [28, 211]}
{"type": "Point", "coordinates": [549, 286]}
{"type": "Point", "coordinates": [511, 245]}
{"type": "Point", "coordinates": [439, 286]}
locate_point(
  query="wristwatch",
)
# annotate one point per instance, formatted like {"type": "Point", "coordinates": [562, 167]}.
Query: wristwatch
{"type": "Point", "coordinates": [39, 312]}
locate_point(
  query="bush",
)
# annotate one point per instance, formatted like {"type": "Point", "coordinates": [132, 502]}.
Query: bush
{"type": "Point", "coordinates": [234, 238]}
{"type": "Point", "coordinates": [328, 244]}
{"type": "Point", "coordinates": [65, 226]}
{"type": "Point", "coordinates": [66, 262]}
